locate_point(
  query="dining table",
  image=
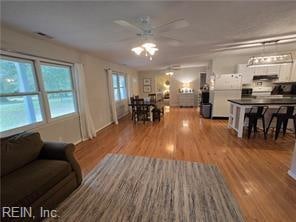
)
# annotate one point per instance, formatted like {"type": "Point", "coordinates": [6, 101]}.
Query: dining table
{"type": "Point", "coordinates": [151, 105]}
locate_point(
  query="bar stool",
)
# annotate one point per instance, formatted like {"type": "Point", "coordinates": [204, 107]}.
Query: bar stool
{"type": "Point", "coordinates": [282, 119]}
{"type": "Point", "coordinates": [255, 113]}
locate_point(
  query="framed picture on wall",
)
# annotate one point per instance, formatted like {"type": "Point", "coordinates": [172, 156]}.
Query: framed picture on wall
{"type": "Point", "coordinates": [147, 82]}
{"type": "Point", "coordinates": [147, 89]}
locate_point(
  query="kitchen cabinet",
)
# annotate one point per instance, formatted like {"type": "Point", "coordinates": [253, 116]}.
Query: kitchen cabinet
{"type": "Point", "coordinates": [285, 72]}
{"type": "Point", "coordinates": [246, 72]}
{"type": "Point", "coordinates": [273, 70]}
{"type": "Point", "coordinates": [263, 70]}
{"type": "Point", "coordinates": [292, 171]}
{"type": "Point", "coordinates": [187, 99]}
{"type": "Point", "coordinates": [293, 72]}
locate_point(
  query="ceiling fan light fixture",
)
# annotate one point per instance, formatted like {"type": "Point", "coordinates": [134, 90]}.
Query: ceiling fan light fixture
{"type": "Point", "coordinates": [169, 73]}
{"type": "Point", "coordinates": [148, 48]}
{"type": "Point", "coordinates": [138, 50]}
{"type": "Point", "coordinates": [152, 51]}
{"type": "Point", "coordinates": [148, 45]}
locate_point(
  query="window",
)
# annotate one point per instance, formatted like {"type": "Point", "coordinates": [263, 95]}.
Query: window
{"type": "Point", "coordinates": [33, 92]}
{"type": "Point", "coordinates": [57, 83]}
{"type": "Point", "coordinates": [19, 94]}
{"type": "Point", "coordinates": [119, 87]}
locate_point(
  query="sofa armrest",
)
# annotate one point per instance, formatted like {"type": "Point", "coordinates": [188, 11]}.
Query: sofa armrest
{"type": "Point", "coordinates": [61, 151]}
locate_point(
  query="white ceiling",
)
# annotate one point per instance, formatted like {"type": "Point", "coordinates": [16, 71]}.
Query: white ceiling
{"type": "Point", "coordinates": [89, 26]}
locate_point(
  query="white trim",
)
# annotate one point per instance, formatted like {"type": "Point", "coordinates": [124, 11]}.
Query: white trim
{"type": "Point", "coordinates": [47, 120]}
{"type": "Point", "coordinates": [123, 115]}
{"type": "Point", "coordinates": [36, 126]}
{"type": "Point", "coordinates": [20, 55]}
{"type": "Point", "coordinates": [78, 141]}
{"type": "Point", "coordinates": [291, 174]}
{"type": "Point", "coordinates": [98, 130]}
{"type": "Point", "coordinates": [21, 129]}
{"type": "Point", "coordinates": [103, 127]}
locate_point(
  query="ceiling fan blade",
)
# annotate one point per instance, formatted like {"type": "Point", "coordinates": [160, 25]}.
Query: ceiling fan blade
{"type": "Point", "coordinates": [128, 25]}
{"type": "Point", "coordinates": [128, 39]}
{"type": "Point", "coordinates": [169, 41]}
{"type": "Point", "coordinates": [175, 24]}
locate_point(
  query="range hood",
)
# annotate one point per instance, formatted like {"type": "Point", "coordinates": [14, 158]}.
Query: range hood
{"type": "Point", "coordinates": [265, 77]}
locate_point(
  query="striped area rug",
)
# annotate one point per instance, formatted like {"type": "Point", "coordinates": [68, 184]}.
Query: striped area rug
{"type": "Point", "coordinates": [127, 188]}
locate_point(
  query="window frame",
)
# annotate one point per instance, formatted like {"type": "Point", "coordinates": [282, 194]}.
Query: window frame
{"type": "Point", "coordinates": [40, 91]}
{"type": "Point", "coordinates": [45, 93]}
{"type": "Point", "coordinates": [118, 86]}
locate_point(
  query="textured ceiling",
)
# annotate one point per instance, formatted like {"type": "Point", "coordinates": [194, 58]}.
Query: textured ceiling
{"type": "Point", "coordinates": [89, 26]}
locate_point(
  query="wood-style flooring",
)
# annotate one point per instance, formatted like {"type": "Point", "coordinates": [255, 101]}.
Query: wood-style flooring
{"type": "Point", "coordinates": [254, 169]}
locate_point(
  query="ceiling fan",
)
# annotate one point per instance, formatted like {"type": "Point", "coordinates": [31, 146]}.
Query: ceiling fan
{"type": "Point", "coordinates": [147, 34]}
{"type": "Point", "coordinates": [170, 69]}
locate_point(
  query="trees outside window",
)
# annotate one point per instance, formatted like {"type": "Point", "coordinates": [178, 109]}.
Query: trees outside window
{"type": "Point", "coordinates": [33, 92]}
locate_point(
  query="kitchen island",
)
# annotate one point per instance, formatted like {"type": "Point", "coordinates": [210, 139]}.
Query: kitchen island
{"type": "Point", "coordinates": [238, 108]}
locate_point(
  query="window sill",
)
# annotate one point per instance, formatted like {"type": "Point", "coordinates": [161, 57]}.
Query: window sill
{"type": "Point", "coordinates": [40, 125]}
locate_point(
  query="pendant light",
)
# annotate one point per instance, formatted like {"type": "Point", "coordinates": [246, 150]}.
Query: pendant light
{"type": "Point", "coordinates": [269, 60]}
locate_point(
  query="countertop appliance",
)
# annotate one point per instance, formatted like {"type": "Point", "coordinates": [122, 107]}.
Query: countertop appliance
{"type": "Point", "coordinates": [247, 92]}
{"type": "Point", "coordinates": [226, 86]}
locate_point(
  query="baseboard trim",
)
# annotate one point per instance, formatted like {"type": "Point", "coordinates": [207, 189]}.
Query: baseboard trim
{"type": "Point", "coordinates": [103, 127]}
{"type": "Point", "coordinates": [123, 115]}
{"type": "Point", "coordinates": [97, 130]}
{"type": "Point", "coordinates": [78, 141]}
{"type": "Point", "coordinates": [291, 174]}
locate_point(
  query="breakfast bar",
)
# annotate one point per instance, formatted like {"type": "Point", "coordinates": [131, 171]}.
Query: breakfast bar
{"type": "Point", "coordinates": [238, 108]}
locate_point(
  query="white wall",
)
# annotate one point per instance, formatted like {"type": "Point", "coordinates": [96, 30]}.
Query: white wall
{"type": "Point", "coordinates": [227, 64]}
{"type": "Point", "coordinates": [148, 75]}
{"type": "Point", "coordinates": [188, 76]}
{"type": "Point", "coordinates": [68, 130]}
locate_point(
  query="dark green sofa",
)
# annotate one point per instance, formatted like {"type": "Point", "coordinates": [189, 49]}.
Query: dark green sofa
{"type": "Point", "coordinates": [36, 174]}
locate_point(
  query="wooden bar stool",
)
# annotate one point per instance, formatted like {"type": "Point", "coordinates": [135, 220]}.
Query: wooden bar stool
{"type": "Point", "coordinates": [255, 113]}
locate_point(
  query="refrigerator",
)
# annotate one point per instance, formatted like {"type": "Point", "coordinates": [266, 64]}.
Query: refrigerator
{"type": "Point", "coordinates": [224, 87]}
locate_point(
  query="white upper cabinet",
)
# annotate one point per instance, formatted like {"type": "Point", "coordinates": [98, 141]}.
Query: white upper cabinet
{"type": "Point", "coordinates": [263, 70]}
{"type": "Point", "coordinates": [273, 70]}
{"type": "Point", "coordinates": [285, 73]}
{"type": "Point", "coordinates": [293, 72]}
{"type": "Point", "coordinates": [247, 73]}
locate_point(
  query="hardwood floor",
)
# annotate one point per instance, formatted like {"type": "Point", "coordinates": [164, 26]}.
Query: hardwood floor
{"type": "Point", "coordinates": [255, 170]}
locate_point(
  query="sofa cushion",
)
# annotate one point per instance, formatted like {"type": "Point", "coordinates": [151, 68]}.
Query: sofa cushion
{"type": "Point", "coordinates": [19, 150]}
{"type": "Point", "coordinates": [27, 184]}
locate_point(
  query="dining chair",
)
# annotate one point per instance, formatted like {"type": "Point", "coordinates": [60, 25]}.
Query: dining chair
{"type": "Point", "coordinates": [152, 97]}
{"type": "Point", "coordinates": [133, 107]}
{"type": "Point", "coordinates": [142, 111]}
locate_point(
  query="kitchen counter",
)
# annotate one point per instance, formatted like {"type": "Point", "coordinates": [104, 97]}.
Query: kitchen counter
{"type": "Point", "coordinates": [264, 101]}
{"type": "Point", "coordinates": [292, 171]}
{"type": "Point", "coordinates": [238, 108]}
